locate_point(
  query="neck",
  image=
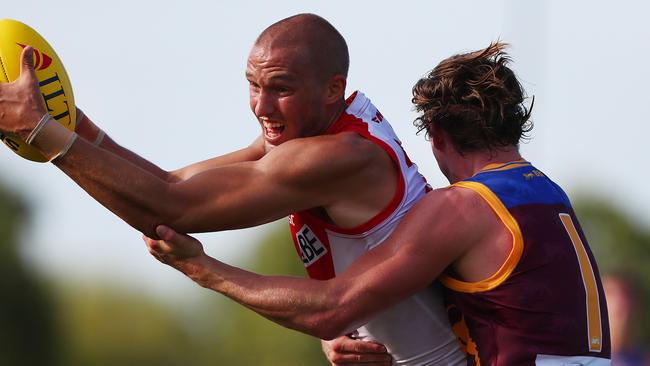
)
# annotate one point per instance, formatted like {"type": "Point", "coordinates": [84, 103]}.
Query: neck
{"type": "Point", "coordinates": [335, 114]}
{"type": "Point", "coordinates": [469, 164]}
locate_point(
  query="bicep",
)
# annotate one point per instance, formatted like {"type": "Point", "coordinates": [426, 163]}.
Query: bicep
{"type": "Point", "coordinates": [414, 255]}
{"type": "Point", "coordinates": [292, 177]}
{"type": "Point", "coordinates": [390, 272]}
{"type": "Point", "coordinates": [241, 195]}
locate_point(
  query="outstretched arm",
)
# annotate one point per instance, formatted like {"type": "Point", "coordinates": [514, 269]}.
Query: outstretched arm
{"type": "Point", "coordinates": [429, 238]}
{"type": "Point", "coordinates": [292, 177]}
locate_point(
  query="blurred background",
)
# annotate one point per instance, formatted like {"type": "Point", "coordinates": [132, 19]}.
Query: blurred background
{"type": "Point", "coordinates": [166, 79]}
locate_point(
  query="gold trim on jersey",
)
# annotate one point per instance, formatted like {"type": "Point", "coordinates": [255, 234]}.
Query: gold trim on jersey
{"type": "Point", "coordinates": [504, 166]}
{"type": "Point", "coordinates": [515, 253]}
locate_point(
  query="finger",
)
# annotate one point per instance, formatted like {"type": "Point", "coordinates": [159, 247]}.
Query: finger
{"type": "Point", "coordinates": [350, 345]}
{"type": "Point", "coordinates": [367, 359]}
{"type": "Point", "coordinates": [172, 239]}
{"type": "Point", "coordinates": [27, 61]}
{"type": "Point", "coordinates": [156, 255]}
{"type": "Point", "coordinates": [151, 243]}
{"type": "Point", "coordinates": [165, 232]}
{"type": "Point", "coordinates": [154, 248]}
{"type": "Point", "coordinates": [157, 248]}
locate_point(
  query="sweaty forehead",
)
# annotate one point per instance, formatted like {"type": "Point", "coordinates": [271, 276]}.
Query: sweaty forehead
{"type": "Point", "coordinates": [280, 62]}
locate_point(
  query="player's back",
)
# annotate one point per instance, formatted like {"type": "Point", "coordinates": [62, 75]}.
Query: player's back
{"type": "Point", "coordinates": [546, 304]}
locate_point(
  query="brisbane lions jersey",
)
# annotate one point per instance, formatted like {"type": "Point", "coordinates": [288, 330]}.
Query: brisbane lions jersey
{"type": "Point", "coordinates": [416, 331]}
{"type": "Point", "coordinates": [545, 305]}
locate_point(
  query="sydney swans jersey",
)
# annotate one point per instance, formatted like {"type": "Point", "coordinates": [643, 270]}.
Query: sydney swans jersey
{"type": "Point", "coordinates": [415, 331]}
{"type": "Point", "coordinates": [545, 305]}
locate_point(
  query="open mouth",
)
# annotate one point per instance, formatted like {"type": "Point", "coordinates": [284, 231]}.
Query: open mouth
{"type": "Point", "coordinates": [272, 130]}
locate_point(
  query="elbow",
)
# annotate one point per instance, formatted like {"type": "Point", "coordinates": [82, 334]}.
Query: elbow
{"type": "Point", "coordinates": [334, 327]}
{"type": "Point", "coordinates": [148, 223]}
{"type": "Point", "coordinates": [325, 325]}
{"type": "Point", "coordinates": [179, 210]}
{"type": "Point", "coordinates": [334, 321]}
{"type": "Point", "coordinates": [330, 333]}
{"type": "Point", "coordinates": [140, 218]}
{"type": "Point", "coordinates": [171, 211]}
{"type": "Point", "coordinates": [346, 312]}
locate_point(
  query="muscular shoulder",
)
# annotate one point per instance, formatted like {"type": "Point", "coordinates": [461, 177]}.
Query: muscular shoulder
{"type": "Point", "coordinates": [454, 213]}
{"type": "Point", "coordinates": [334, 166]}
{"type": "Point", "coordinates": [341, 153]}
{"type": "Point", "coordinates": [348, 146]}
{"type": "Point", "coordinates": [453, 200]}
{"type": "Point", "coordinates": [486, 242]}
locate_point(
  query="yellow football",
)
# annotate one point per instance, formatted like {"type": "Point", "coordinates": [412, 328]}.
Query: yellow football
{"type": "Point", "coordinates": [53, 80]}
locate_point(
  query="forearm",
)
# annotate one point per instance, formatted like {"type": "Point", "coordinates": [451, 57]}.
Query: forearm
{"type": "Point", "coordinates": [136, 195]}
{"type": "Point", "coordinates": [110, 145]}
{"type": "Point", "coordinates": [308, 306]}
{"type": "Point", "coordinates": [144, 195]}
{"type": "Point", "coordinates": [219, 198]}
{"type": "Point", "coordinates": [93, 134]}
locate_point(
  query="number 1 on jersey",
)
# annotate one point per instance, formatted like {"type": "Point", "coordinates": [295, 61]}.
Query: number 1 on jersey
{"type": "Point", "coordinates": [594, 329]}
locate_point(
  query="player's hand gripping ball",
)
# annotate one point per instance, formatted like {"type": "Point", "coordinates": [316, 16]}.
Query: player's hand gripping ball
{"type": "Point", "coordinates": [53, 80]}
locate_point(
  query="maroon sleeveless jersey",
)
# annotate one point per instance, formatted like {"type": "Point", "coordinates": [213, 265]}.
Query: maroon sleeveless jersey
{"type": "Point", "coordinates": [545, 305]}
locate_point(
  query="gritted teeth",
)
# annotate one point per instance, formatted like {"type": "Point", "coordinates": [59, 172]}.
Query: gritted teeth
{"type": "Point", "coordinates": [270, 125]}
{"type": "Point", "coordinates": [272, 129]}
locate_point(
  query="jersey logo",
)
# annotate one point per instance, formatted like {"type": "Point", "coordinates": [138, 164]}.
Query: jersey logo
{"type": "Point", "coordinates": [533, 174]}
{"type": "Point", "coordinates": [378, 118]}
{"type": "Point", "coordinates": [311, 248]}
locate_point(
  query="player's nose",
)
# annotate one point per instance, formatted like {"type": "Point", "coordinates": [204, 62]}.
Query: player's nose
{"type": "Point", "coordinates": [264, 105]}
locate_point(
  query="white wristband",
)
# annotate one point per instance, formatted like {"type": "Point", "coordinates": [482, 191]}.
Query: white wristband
{"type": "Point", "coordinates": [80, 117]}
{"type": "Point", "coordinates": [100, 135]}
{"type": "Point", "coordinates": [99, 138]}
{"type": "Point", "coordinates": [51, 138]}
{"type": "Point", "coordinates": [68, 145]}
{"type": "Point", "coordinates": [39, 127]}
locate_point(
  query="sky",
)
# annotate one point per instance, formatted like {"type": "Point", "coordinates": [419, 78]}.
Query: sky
{"type": "Point", "coordinates": [166, 80]}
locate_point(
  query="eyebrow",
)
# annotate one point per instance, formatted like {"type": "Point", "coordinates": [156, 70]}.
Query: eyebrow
{"type": "Point", "coordinates": [275, 77]}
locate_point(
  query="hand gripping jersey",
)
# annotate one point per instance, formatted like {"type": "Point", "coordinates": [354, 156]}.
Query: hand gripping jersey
{"type": "Point", "coordinates": [545, 305]}
{"type": "Point", "coordinates": [415, 331]}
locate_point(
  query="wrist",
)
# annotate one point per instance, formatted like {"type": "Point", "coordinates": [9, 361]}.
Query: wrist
{"type": "Point", "coordinates": [199, 270]}
{"type": "Point", "coordinates": [51, 138]}
{"type": "Point", "coordinates": [87, 130]}
{"type": "Point", "coordinates": [35, 114]}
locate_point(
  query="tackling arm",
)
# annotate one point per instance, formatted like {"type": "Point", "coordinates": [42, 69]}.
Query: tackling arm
{"type": "Point", "coordinates": [430, 237]}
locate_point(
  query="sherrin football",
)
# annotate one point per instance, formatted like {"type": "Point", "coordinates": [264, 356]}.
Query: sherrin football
{"type": "Point", "coordinates": [53, 80]}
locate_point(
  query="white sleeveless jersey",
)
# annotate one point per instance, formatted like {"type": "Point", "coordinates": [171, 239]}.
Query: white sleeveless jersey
{"type": "Point", "coordinates": [416, 331]}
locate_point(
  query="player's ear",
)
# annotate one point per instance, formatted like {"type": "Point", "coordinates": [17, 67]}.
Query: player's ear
{"type": "Point", "coordinates": [437, 137]}
{"type": "Point", "coordinates": [336, 88]}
